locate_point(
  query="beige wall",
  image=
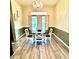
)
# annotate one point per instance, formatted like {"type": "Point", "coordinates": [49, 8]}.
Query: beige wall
{"type": "Point", "coordinates": [58, 14]}
{"type": "Point", "coordinates": [28, 10]}
{"type": "Point", "coordinates": [17, 7]}
{"type": "Point", "coordinates": [61, 16]}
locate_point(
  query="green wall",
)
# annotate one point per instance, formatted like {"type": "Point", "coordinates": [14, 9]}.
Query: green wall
{"type": "Point", "coordinates": [64, 36]}
{"type": "Point", "coordinates": [21, 31]}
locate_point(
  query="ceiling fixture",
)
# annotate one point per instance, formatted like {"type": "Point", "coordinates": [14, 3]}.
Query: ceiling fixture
{"type": "Point", "coordinates": [37, 4]}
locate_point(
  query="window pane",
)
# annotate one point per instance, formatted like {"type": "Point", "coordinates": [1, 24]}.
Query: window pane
{"type": "Point", "coordinates": [34, 24]}
{"type": "Point", "coordinates": [43, 24]}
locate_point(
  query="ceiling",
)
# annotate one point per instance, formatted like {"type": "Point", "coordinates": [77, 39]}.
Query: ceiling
{"type": "Point", "coordinates": [29, 2]}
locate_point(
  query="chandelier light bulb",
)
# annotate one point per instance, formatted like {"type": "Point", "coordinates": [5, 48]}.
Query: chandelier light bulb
{"type": "Point", "coordinates": [37, 4]}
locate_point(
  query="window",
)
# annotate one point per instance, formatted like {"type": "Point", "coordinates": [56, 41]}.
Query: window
{"type": "Point", "coordinates": [43, 24]}
{"type": "Point", "coordinates": [34, 24]}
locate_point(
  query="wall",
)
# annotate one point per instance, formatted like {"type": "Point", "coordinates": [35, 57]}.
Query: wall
{"type": "Point", "coordinates": [61, 15]}
{"type": "Point", "coordinates": [25, 11]}
{"type": "Point", "coordinates": [18, 21]}
{"type": "Point", "coordinates": [28, 10]}
{"type": "Point", "coordinates": [61, 23]}
{"type": "Point", "coordinates": [16, 6]}
{"type": "Point", "coordinates": [64, 36]}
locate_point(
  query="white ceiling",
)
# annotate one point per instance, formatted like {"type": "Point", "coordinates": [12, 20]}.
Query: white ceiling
{"type": "Point", "coordinates": [29, 2]}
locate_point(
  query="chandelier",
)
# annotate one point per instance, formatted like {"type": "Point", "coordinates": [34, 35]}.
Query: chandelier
{"type": "Point", "coordinates": [37, 4]}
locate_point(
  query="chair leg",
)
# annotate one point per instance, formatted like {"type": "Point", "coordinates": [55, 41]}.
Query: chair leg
{"type": "Point", "coordinates": [26, 39]}
{"type": "Point", "coordinates": [45, 40]}
{"type": "Point", "coordinates": [42, 42]}
{"type": "Point", "coordinates": [50, 39]}
{"type": "Point", "coordinates": [35, 43]}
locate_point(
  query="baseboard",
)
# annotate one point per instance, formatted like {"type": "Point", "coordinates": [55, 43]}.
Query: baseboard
{"type": "Point", "coordinates": [21, 36]}
{"type": "Point", "coordinates": [64, 36]}
{"type": "Point", "coordinates": [21, 31]}
{"type": "Point", "coordinates": [60, 41]}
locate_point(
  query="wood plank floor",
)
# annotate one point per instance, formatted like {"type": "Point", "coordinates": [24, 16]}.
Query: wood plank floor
{"type": "Point", "coordinates": [50, 51]}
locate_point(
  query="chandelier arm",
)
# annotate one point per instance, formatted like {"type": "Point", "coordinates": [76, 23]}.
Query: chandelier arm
{"type": "Point", "coordinates": [37, 4]}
